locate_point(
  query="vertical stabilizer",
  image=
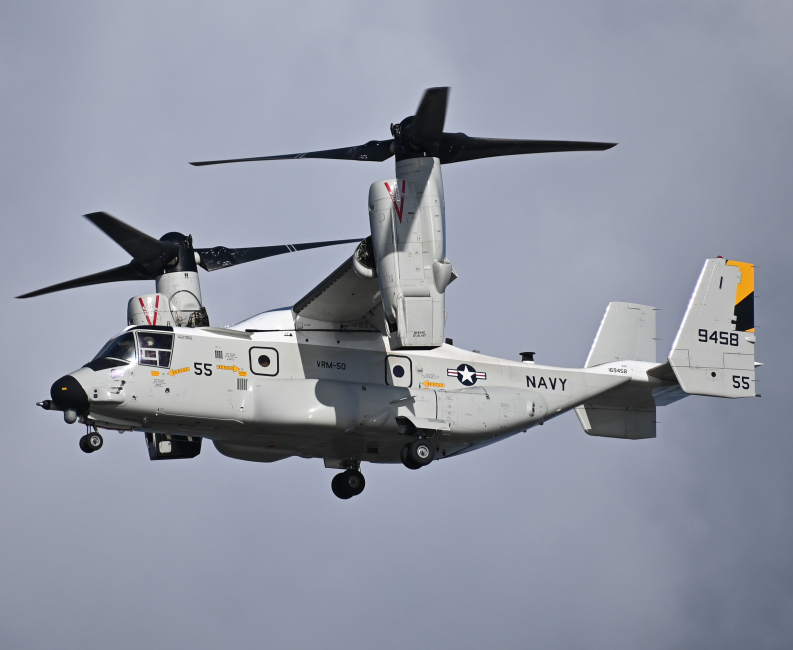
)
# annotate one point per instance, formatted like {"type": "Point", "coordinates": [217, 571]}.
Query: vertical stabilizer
{"type": "Point", "coordinates": [713, 352]}
{"type": "Point", "coordinates": [627, 332]}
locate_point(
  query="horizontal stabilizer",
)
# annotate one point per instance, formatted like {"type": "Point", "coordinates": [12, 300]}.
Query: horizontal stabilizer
{"type": "Point", "coordinates": [629, 410]}
{"type": "Point", "coordinates": [626, 334]}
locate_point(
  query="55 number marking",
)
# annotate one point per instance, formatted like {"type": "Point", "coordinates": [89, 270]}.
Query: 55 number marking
{"type": "Point", "coordinates": [721, 338]}
{"type": "Point", "coordinates": [740, 382]}
{"type": "Point", "coordinates": [203, 369]}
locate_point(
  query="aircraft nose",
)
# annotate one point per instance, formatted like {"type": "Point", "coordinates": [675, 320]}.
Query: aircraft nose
{"type": "Point", "coordinates": [69, 395]}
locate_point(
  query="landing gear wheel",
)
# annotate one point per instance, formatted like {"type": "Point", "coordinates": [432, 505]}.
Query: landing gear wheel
{"type": "Point", "coordinates": [418, 453]}
{"type": "Point", "coordinates": [94, 441]}
{"type": "Point", "coordinates": [348, 484]}
{"type": "Point", "coordinates": [407, 461]}
{"type": "Point", "coordinates": [338, 488]}
{"type": "Point", "coordinates": [91, 442]}
{"type": "Point", "coordinates": [354, 481]}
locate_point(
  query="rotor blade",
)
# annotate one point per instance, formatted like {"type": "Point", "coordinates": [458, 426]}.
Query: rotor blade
{"type": "Point", "coordinates": [374, 150]}
{"type": "Point", "coordinates": [427, 124]}
{"type": "Point", "coordinates": [119, 274]}
{"type": "Point", "coordinates": [143, 248]}
{"type": "Point", "coordinates": [458, 147]}
{"type": "Point", "coordinates": [221, 257]}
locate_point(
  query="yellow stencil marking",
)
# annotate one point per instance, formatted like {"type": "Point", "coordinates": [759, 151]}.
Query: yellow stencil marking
{"type": "Point", "coordinates": [234, 368]}
{"type": "Point", "coordinates": [155, 373]}
{"type": "Point", "coordinates": [433, 384]}
{"type": "Point", "coordinates": [746, 285]}
{"type": "Point", "coordinates": [176, 372]}
{"type": "Point", "coordinates": [243, 373]}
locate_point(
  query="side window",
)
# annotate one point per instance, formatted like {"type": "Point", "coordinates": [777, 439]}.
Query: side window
{"type": "Point", "coordinates": [154, 349]}
{"type": "Point", "coordinates": [264, 361]}
{"type": "Point", "coordinates": [398, 371]}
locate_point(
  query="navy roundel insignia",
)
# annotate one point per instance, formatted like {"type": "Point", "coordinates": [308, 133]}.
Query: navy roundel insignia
{"type": "Point", "coordinates": [466, 374]}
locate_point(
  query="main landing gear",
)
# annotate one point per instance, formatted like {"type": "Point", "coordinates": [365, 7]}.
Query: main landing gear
{"type": "Point", "coordinates": [348, 484]}
{"type": "Point", "coordinates": [91, 442]}
{"type": "Point", "coordinates": [417, 454]}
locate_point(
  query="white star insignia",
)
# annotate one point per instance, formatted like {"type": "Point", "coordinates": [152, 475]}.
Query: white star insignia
{"type": "Point", "coordinates": [467, 374]}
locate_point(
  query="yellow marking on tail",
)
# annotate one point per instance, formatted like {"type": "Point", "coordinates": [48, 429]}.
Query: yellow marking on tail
{"type": "Point", "coordinates": [746, 285]}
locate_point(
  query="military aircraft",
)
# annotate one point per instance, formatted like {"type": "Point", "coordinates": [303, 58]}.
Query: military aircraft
{"type": "Point", "coordinates": [359, 368]}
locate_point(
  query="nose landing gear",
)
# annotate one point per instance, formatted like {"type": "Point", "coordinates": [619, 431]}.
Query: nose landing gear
{"type": "Point", "coordinates": [348, 484]}
{"type": "Point", "coordinates": [91, 442]}
{"type": "Point", "coordinates": [417, 454]}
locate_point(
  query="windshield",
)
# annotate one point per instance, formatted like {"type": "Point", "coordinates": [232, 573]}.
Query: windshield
{"type": "Point", "coordinates": [122, 347]}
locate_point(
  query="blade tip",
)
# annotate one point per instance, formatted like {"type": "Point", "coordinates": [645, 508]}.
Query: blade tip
{"type": "Point", "coordinates": [31, 294]}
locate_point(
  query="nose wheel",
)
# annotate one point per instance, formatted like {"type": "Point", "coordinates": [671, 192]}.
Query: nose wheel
{"type": "Point", "coordinates": [417, 454]}
{"type": "Point", "coordinates": [348, 484]}
{"type": "Point", "coordinates": [91, 442]}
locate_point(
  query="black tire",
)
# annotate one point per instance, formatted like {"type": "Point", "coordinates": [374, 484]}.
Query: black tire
{"type": "Point", "coordinates": [84, 445]}
{"type": "Point", "coordinates": [338, 487]}
{"type": "Point", "coordinates": [93, 441]}
{"type": "Point", "coordinates": [421, 452]}
{"type": "Point", "coordinates": [407, 459]}
{"type": "Point", "coordinates": [353, 481]}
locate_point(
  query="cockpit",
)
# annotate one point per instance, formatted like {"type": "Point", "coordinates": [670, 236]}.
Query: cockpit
{"type": "Point", "coordinates": [146, 348]}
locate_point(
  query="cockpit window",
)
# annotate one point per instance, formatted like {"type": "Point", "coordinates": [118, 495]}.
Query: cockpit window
{"type": "Point", "coordinates": [155, 349]}
{"type": "Point", "coordinates": [122, 348]}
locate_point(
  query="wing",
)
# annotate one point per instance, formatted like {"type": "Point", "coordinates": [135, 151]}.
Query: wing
{"type": "Point", "coordinates": [344, 296]}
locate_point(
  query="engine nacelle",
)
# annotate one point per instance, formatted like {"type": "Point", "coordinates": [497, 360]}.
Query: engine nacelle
{"type": "Point", "coordinates": [407, 219]}
{"type": "Point", "coordinates": [176, 303]}
{"type": "Point", "coordinates": [183, 290]}
{"type": "Point", "coordinates": [149, 309]}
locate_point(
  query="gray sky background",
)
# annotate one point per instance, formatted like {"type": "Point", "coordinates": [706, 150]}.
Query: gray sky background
{"type": "Point", "coordinates": [551, 539]}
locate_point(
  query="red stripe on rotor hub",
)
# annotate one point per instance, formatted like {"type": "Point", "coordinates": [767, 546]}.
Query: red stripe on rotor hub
{"type": "Point", "coordinates": [145, 312]}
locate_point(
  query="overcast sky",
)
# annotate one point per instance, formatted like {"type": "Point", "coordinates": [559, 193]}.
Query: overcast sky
{"type": "Point", "coordinates": [551, 539]}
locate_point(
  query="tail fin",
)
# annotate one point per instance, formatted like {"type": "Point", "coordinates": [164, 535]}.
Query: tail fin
{"type": "Point", "coordinates": [713, 353]}
{"type": "Point", "coordinates": [627, 331]}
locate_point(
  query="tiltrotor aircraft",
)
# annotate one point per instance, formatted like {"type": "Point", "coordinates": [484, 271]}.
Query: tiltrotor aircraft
{"type": "Point", "coordinates": [359, 368]}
